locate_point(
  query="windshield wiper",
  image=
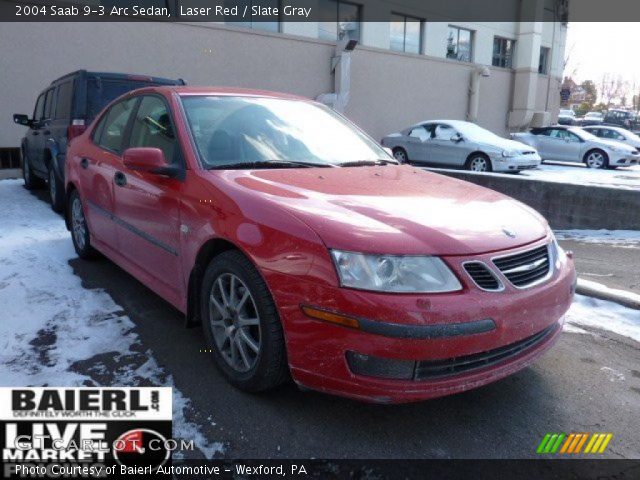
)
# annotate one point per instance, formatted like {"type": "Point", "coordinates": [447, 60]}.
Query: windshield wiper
{"type": "Point", "coordinates": [270, 164]}
{"type": "Point", "coordinates": [368, 163]}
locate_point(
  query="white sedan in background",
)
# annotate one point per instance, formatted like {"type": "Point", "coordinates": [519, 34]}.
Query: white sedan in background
{"type": "Point", "coordinates": [574, 144]}
{"type": "Point", "coordinates": [617, 134]}
{"type": "Point", "coordinates": [455, 144]}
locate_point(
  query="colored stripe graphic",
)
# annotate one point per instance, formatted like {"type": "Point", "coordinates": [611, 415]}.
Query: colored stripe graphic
{"type": "Point", "coordinates": [573, 443]}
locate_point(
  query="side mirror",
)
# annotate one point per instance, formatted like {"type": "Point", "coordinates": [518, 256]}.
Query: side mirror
{"type": "Point", "coordinates": [22, 119]}
{"type": "Point", "coordinates": [149, 160]}
{"type": "Point", "coordinates": [456, 138]}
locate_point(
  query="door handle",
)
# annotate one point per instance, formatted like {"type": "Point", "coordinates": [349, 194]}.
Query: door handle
{"type": "Point", "coordinates": [120, 179]}
{"type": "Point", "coordinates": [84, 163]}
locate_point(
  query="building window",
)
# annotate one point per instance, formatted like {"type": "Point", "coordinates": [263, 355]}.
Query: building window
{"type": "Point", "coordinates": [269, 26]}
{"type": "Point", "coordinates": [335, 16]}
{"type": "Point", "coordinates": [459, 44]}
{"type": "Point", "coordinates": [406, 33]}
{"type": "Point", "coordinates": [503, 49]}
{"type": "Point", "coordinates": [543, 66]}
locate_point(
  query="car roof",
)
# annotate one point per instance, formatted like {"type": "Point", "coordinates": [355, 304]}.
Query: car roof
{"type": "Point", "coordinates": [117, 76]}
{"type": "Point", "coordinates": [453, 123]}
{"type": "Point", "coordinates": [185, 91]}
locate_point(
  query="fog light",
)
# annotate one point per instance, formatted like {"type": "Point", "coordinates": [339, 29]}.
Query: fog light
{"type": "Point", "coordinates": [369, 366]}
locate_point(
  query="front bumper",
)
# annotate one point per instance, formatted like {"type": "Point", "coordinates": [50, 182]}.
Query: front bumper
{"type": "Point", "coordinates": [515, 164]}
{"type": "Point", "coordinates": [627, 161]}
{"type": "Point", "coordinates": [318, 351]}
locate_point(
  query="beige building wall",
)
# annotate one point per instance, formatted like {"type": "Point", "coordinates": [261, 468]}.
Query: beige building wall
{"type": "Point", "coordinates": [389, 90]}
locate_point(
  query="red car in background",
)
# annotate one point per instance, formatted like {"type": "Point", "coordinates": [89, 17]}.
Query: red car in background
{"type": "Point", "coordinates": [305, 251]}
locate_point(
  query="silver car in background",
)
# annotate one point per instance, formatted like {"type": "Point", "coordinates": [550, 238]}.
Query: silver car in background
{"type": "Point", "coordinates": [454, 144]}
{"type": "Point", "coordinates": [617, 134]}
{"type": "Point", "coordinates": [574, 144]}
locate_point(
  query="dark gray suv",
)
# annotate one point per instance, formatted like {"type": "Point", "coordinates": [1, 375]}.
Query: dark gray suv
{"type": "Point", "coordinates": [63, 111]}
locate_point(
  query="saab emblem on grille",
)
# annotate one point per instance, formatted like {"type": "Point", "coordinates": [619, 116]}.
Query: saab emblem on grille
{"type": "Point", "coordinates": [508, 233]}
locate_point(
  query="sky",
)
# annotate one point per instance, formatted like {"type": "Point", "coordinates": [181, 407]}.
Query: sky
{"type": "Point", "coordinates": [596, 48]}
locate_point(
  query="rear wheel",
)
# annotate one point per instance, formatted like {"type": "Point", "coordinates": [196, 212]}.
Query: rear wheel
{"type": "Point", "coordinates": [242, 325]}
{"type": "Point", "coordinates": [478, 162]}
{"type": "Point", "coordinates": [596, 159]}
{"type": "Point", "coordinates": [400, 154]}
{"type": "Point", "coordinates": [56, 191]}
{"type": "Point", "coordinates": [79, 229]}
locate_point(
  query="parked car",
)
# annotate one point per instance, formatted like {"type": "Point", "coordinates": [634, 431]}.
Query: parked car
{"type": "Point", "coordinates": [617, 134]}
{"type": "Point", "coordinates": [592, 118]}
{"type": "Point", "coordinates": [306, 251]}
{"type": "Point", "coordinates": [61, 113]}
{"type": "Point", "coordinates": [567, 117]}
{"type": "Point", "coordinates": [573, 144]}
{"type": "Point", "coordinates": [622, 118]}
{"type": "Point", "coordinates": [454, 143]}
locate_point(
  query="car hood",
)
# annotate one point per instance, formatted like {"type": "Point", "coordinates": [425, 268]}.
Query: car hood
{"type": "Point", "coordinates": [395, 209]}
{"type": "Point", "coordinates": [505, 144]}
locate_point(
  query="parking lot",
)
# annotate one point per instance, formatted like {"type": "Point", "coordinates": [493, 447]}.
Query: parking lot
{"type": "Point", "coordinates": [72, 322]}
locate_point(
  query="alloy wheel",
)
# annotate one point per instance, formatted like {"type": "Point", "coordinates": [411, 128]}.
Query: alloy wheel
{"type": "Point", "coordinates": [478, 164]}
{"type": "Point", "coordinates": [78, 223]}
{"type": "Point", "coordinates": [400, 156]}
{"type": "Point", "coordinates": [595, 160]}
{"type": "Point", "coordinates": [235, 322]}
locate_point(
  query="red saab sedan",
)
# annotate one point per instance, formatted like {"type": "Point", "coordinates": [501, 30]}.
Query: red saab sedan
{"type": "Point", "coordinates": [305, 251]}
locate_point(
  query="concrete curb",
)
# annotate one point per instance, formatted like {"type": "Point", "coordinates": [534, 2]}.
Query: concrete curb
{"type": "Point", "coordinates": [602, 292]}
{"type": "Point", "coordinates": [10, 173]}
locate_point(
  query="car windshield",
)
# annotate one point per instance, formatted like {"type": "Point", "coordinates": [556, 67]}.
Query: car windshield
{"type": "Point", "coordinates": [240, 132]}
{"type": "Point", "coordinates": [567, 113]}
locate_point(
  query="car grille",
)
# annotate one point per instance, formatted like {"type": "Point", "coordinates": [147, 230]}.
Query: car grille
{"type": "Point", "coordinates": [482, 276]}
{"type": "Point", "coordinates": [525, 268]}
{"type": "Point", "coordinates": [429, 369]}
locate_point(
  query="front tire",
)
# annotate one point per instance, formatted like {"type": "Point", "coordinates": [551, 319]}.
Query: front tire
{"type": "Point", "coordinates": [79, 228]}
{"type": "Point", "coordinates": [400, 154]}
{"type": "Point", "coordinates": [241, 324]}
{"type": "Point", "coordinates": [478, 162]}
{"type": "Point", "coordinates": [56, 191]}
{"type": "Point", "coordinates": [31, 182]}
{"type": "Point", "coordinates": [596, 159]}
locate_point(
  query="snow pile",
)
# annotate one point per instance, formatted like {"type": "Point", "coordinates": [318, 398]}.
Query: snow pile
{"type": "Point", "coordinates": [621, 238]}
{"type": "Point", "coordinates": [594, 313]}
{"type": "Point", "coordinates": [54, 332]}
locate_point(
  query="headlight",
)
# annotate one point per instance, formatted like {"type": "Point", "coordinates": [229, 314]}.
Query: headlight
{"type": "Point", "coordinates": [509, 153]}
{"type": "Point", "coordinates": [391, 273]}
{"type": "Point", "coordinates": [558, 256]}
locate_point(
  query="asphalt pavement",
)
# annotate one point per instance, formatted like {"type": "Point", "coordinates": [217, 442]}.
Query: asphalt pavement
{"type": "Point", "coordinates": [615, 266]}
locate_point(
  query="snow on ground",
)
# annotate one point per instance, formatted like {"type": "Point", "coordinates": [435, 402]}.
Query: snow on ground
{"type": "Point", "coordinates": [619, 238]}
{"type": "Point", "coordinates": [53, 331]}
{"type": "Point", "coordinates": [627, 178]}
{"type": "Point", "coordinates": [574, 173]}
{"type": "Point", "coordinates": [591, 312]}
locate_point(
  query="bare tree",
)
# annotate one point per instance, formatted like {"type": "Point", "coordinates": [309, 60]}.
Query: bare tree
{"type": "Point", "coordinates": [612, 87]}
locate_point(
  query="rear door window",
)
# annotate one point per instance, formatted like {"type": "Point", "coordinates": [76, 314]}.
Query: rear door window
{"type": "Point", "coordinates": [63, 105]}
{"type": "Point", "coordinates": [101, 92]}
{"type": "Point", "coordinates": [115, 125]}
